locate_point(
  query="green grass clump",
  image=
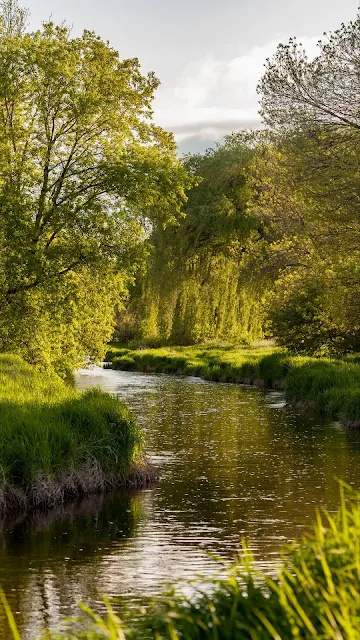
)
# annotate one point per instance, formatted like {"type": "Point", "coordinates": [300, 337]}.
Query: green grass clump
{"type": "Point", "coordinates": [326, 382]}
{"type": "Point", "coordinates": [211, 362]}
{"type": "Point", "coordinates": [315, 594]}
{"type": "Point", "coordinates": [47, 427]}
{"type": "Point", "coordinates": [330, 386]}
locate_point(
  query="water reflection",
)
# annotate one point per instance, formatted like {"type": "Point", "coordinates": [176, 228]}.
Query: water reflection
{"type": "Point", "coordinates": [234, 462]}
{"type": "Point", "coordinates": [48, 562]}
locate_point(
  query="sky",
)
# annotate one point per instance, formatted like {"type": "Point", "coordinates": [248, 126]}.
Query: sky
{"type": "Point", "coordinates": [208, 54]}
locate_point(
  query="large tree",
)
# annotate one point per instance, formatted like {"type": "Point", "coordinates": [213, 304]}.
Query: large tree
{"type": "Point", "coordinates": [307, 186]}
{"type": "Point", "coordinates": [195, 286]}
{"type": "Point", "coordinates": [83, 169]}
{"type": "Point", "coordinates": [299, 92]}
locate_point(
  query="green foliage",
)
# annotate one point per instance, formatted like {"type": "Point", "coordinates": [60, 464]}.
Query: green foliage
{"type": "Point", "coordinates": [305, 189]}
{"type": "Point", "coordinates": [333, 387]}
{"type": "Point", "coordinates": [60, 331]}
{"type": "Point", "coordinates": [270, 239]}
{"type": "Point", "coordinates": [311, 243]}
{"type": "Point", "coordinates": [83, 170]}
{"type": "Point", "coordinates": [194, 287]}
{"type": "Point", "coordinates": [47, 427]}
{"type": "Point", "coordinates": [297, 317]}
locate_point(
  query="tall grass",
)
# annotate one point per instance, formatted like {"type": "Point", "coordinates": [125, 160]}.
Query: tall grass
{"type": "Point", "coordinates": [54, 440]}
{"type": "Point", "coordinates": [314, 594]}
{"type": "Point", "coordinates": [330, 386]}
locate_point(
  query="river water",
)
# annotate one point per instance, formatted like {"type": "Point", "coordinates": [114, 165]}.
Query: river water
{"type": "Point", "coordinates": [235, 462]}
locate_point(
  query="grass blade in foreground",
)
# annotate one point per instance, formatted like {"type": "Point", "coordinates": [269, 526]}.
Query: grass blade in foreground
{"type": "Point", "coordinates": [315, 594]}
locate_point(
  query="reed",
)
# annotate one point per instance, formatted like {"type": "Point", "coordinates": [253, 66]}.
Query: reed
{"type": "Point", "coordinates": [315, 593]}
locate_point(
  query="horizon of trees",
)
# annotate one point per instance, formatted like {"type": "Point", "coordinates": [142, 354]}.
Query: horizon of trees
{"type": "Point", "coordinates": [268, 240]}
{"type": "Point", "coordinates": [258, 236]}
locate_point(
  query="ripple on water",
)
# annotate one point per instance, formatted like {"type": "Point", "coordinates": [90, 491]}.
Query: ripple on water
{"type": "Point", "coordinates": [234, 461]}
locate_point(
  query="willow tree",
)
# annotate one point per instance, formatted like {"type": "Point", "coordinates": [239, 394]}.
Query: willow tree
{"type": "Point", "coordinates": [196, 286]}
{"type": "Point", "coordinates": [83, 169]}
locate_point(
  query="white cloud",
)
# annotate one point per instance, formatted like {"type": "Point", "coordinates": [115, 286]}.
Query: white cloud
{"type": "Point", "coordinates": [213, 96]}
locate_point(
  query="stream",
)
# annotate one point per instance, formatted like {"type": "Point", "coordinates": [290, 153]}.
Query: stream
{"type": "Point", "coordinates": [235, 462]}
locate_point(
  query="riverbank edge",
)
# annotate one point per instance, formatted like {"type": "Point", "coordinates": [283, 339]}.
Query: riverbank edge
{"type": "Point", "coordinates": [58, 444]}
{"type": "Point", "coordinates": [311, 385]}
{"type": "Point", "coordinates": [70, 484]}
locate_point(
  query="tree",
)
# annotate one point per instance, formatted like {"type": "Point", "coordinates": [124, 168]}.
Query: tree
{"type": "Point", "coordinates": [300, 93]}
{"type": "Point", "coordinates": [83, 169]}
{"type": "Point", "coordinates": [306, 191]}
{"type": "Point", "coordinates": [272, 229]}
{"type": "Point", "coordinates": [195, 286]}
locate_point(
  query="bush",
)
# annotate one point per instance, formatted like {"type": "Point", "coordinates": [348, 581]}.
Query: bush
{"type": "Point", "coordinates": [316, 316]}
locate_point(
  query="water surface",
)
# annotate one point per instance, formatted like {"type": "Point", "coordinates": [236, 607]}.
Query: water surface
{"type": "Point", "coordinates": [234, 462]}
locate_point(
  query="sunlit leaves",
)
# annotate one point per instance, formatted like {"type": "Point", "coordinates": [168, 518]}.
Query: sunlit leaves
{"type": "Point", "coordinates": [83, 169]}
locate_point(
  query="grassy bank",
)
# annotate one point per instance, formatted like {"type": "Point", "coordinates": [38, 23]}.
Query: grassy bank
{"type": "Point", "coordinates": [331, 387]}
{"type": "Point", "coordinates": [314, 594]}
{"type": "Point", "coordinates": [56, 443]}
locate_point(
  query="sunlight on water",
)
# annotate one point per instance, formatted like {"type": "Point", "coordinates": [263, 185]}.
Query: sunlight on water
{"type": "Point", "coordinates": [234, 462]}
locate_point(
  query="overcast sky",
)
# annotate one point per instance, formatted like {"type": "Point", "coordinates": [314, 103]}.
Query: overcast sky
{"type": "Point", "coordinates": [208, 54]}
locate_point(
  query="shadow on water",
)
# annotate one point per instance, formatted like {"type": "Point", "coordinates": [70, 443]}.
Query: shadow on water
{"type": "Point", "coordinates": [48, 561]}
{"type": "Point", "coordinates": [234, 462]}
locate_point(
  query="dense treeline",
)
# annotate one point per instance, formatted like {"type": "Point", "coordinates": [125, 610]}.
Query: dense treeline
{"type": "Point", "coordinates": [269, 243]}
{"type": "Point", "coordinates": [83, 171]}
{"type": "Point", "coordinates": [259, 236]}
